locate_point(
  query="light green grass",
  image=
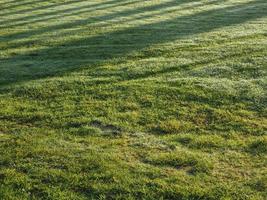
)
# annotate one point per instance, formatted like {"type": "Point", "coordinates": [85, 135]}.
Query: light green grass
{"type": "Point", "coordinates": [131, 99]}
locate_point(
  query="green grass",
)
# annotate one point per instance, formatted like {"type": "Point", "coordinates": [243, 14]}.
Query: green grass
{"type": "Point", "coordinates": [131, 99]}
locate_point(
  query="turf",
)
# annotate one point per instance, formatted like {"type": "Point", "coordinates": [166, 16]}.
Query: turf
{"type": "Point", "coordinates": [131, 99]}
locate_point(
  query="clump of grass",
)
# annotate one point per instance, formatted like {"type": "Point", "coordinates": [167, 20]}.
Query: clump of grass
{"type": "Point", "coordinates": [149, 141]}
{"type": "Point", "coordinates": [107, 128]}
{"type": "Point", "coordinates": [129, 106]}
{"type": "Point", "coordinates": [260, 184]}
{"type": "Point", "coordinates": [258, 147]}
{"type": "Point", "coordinates": [202, 141]}
{"type": "Point", "coordinates": [87, 130]}
{"type": "Point", "coordinates": [172, 126]}
{"type": "Point", "coordinates": [192, 163]}
{"type": "Point", "coordinates": [185, 140]}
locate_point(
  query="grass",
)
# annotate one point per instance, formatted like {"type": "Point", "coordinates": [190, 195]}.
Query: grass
{"type": "Point", "coordinates": [130, 99]}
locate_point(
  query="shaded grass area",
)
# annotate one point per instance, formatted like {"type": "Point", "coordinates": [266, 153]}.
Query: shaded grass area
{"type": "Point", "coordinates": [133, 99]}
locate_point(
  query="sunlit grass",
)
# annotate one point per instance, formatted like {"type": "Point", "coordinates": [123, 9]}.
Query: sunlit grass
{"type": "Point", "coordinates": [134, 99]}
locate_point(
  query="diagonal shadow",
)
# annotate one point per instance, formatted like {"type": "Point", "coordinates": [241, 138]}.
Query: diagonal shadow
{"type": "Point", "coordinates": [86, 21]}
{"type": "Point", "coordinates": [161, 9]}
{"type": "Point", "coordinates": [102, 48]}
{"type": "Point", "coordinates": [66, 12]}
{"type": "Point", "coordinates": [106, 18]}
{"type": "Point", "coordinates": [34, 7]}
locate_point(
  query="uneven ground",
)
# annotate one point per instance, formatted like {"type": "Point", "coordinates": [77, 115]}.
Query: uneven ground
{"type": "Point", "coordinates": [133, 99]}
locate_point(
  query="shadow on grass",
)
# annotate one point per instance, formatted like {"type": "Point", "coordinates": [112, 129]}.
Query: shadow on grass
{"type": "Point", "coordinates": [94, 51]}
{"type": "Point", "coordinates": [88, 21]}
{"type": "Point", "coordinates": [55, 14]}
{"type": "Point", "coordinates": [33, 5]}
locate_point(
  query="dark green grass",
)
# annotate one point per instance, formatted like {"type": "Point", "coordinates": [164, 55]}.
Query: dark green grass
{"type": "Point", "coordinates": [122, 99]}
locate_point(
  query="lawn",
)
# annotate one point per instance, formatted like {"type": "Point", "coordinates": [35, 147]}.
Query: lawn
{"type": "Point", "coordinates": [133, 99]}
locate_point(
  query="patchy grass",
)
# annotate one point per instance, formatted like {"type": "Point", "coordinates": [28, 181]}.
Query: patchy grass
{"type": "Point", "coordinates": [191, 163]}
{"type": "Point", "coordinates": [258, 147]}
{"type": "Point", "coordinates": [121, 99]}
